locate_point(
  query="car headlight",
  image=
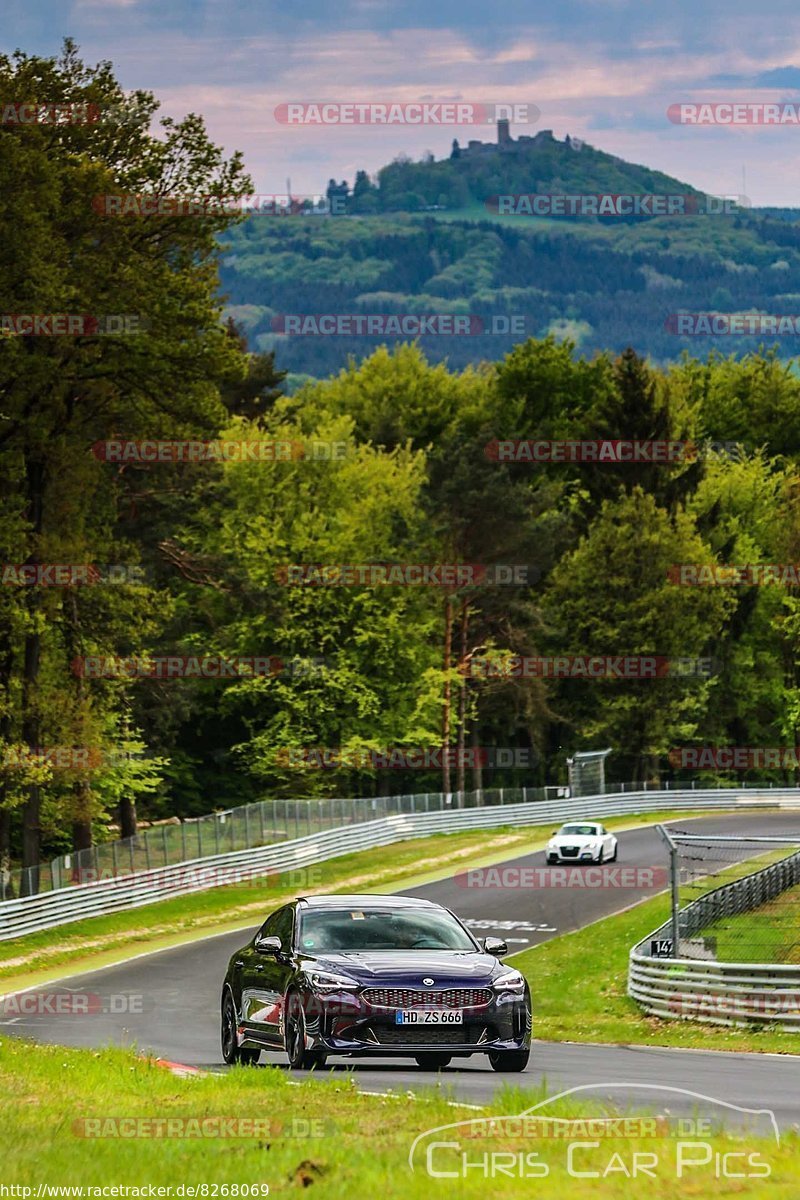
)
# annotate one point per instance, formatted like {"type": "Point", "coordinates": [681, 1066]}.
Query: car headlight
{"type": "Point", "coordinates": [326, 981]}
{"type": "Point", "coordinates": [512, 981]}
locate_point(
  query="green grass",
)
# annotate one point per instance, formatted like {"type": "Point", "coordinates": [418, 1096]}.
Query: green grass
{"type": "Point", "coordinates": [770, 933]}
{"type": "Point", "coordinates": [84, 945]}
{"type": "Point", "coordinates": [579, 985]}
{"type": "Point", "coordinates": [359, 1144]}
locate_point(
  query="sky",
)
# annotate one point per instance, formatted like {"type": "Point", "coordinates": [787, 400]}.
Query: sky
{"type": "Point", "coordinates": [602, 70]}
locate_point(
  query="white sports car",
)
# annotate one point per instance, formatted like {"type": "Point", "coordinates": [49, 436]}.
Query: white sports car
{"type": "Point", "coordinates": [582, 841]}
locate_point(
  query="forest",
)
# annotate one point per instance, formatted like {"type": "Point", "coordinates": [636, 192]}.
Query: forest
{"type": "Point", "coordinates": [160, 652]}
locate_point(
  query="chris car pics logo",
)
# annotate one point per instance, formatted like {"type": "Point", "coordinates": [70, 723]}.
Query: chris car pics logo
{"type": "Point", "coordinates": [681, 1139]}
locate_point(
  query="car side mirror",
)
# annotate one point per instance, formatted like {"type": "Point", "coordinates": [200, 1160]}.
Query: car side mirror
{"type": "Point", "coordinates": [554, 833]}
{"type": "Point", "coordinates": [495, 946]}
{"type": "Point", "coordinates": [269, 945]}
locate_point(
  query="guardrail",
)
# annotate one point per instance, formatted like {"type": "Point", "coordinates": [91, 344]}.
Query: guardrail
{"type": "Point", "coordinates": [722, 993]}
{"type": "Point", "coordinates": [246, 827]}
{"type": "Point", "coordinates": [261, 824]}
{"type": "Point", "coordinates": [33, 913]}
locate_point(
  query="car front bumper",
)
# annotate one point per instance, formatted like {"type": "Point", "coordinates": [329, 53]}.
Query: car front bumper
{"type": "Point", "coordinates": [503, 1024]}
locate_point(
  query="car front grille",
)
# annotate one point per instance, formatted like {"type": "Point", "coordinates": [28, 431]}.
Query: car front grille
{"type": "Point", "coordinates": [414, 998]}
{"type": "Point", "coordinates": [431, 1035]}
{"type": "Point", "coordinates": [569, 851]}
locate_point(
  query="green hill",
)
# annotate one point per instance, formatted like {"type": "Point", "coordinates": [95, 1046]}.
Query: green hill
{"type": "Point", "coordinates": [538, 164]}
{"type": "Point", "coordinates": [421, 239]}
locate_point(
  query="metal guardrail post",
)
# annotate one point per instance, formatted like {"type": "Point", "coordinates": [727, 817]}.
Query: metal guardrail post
{"type": "Point", "coordinates": [674, 889]}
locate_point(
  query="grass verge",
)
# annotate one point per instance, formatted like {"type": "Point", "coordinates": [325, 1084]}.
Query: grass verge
{"type": "Point", "coordinates": [99, 941]}
{"type": "Point", "coordinates": [579, 981]}
{"type": "Point", "coordinates": [323, 1135]}
{"type": "Point", "coordinates": [770, 933]}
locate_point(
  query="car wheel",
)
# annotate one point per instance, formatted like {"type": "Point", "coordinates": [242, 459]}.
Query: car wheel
{"type": "Point", "coordinates": [509, 1060]}
{"type": "Point", "coordinates": [616, 851]}
{"type": "Point", "coordinates": [294, 1038]}
{"type": "Point", "coordinates": [600, 856]}
{"type": "Point", "coordinates": [551, 859]}
{"type": "Point", "coordinates": [232, 1053]}
{"type": "Point", "coordinates": [432, 1061]}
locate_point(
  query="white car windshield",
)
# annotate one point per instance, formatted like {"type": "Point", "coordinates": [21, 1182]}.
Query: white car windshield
{"type": "Point", "coordinates": [581, 830]}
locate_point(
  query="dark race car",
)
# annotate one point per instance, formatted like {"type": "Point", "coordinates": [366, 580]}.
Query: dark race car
{"type": "Point", "coordinates": [373, 976]}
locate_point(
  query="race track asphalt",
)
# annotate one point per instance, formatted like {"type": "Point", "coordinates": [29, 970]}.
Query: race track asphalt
{"type": "Point", "coordinates": [167, 1003]}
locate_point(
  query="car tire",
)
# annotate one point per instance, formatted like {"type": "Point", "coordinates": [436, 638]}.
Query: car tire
{"type": "Point", "coordinates": [232, 1053]}
{"type": "Point", "coordinates": [508, 1061]}
{"type": "Point", "coordinates": [432, 1061]}
{"type": "Point", "coordinates": [600, 857]}
{"type": "Point", "coordinates": [294, 1037]}
{"type": "Point", "coordinates": [552, 859]}
{"type": "Point", "coordinates": [616, 852]}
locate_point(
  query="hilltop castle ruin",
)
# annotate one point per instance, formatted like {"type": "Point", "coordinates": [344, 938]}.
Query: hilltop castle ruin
{"type": "Point", "coordinates": [505, 144]}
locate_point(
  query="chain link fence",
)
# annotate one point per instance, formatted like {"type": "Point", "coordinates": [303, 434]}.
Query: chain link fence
{"type": "Point", "coordinates": [262, 824]}
{"type": "Point", "coordinates": [273, 821]}
{"type": "Point", "coordinates": [736, 899]}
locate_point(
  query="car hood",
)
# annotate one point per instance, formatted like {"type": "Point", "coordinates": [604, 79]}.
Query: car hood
{"type": "Point", "coordinates": [576, 839]}
{"type": "Point", "coordinates": [409, 967]}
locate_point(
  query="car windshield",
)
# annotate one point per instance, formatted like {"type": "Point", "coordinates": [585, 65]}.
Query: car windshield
{"type": "Point", "coordinates": [582, 830]}
{"type": "Point", "coordinates": [365, 929]}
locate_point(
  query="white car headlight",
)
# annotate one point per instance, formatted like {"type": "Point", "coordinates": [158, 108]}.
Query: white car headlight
{"type": "Point", "coordinates": [326, 981]}
{"type": "Point", "coordinates": [512, 981]}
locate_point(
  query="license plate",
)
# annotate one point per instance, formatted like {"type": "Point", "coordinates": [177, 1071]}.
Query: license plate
{"type": "Point", "coordinates": [429, 1016]}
